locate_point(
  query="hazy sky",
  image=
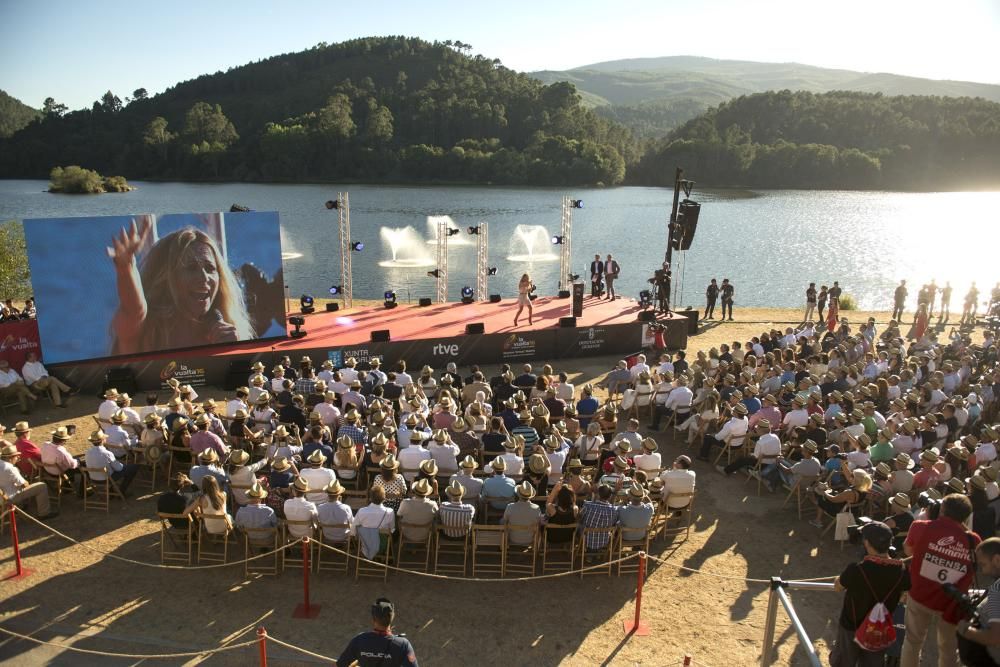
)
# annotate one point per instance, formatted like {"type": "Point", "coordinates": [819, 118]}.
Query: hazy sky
{"type": "Point", "coordinates": [74, 51]}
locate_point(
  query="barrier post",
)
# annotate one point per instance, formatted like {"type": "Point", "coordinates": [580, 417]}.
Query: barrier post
{"type": "Point", "coordinates": [306, 610]}
{"type": "Point", "coordinates": [636, 626]}
{"type": "Point", "coordinates": [262, 643]}
{"type": "Point", "coordinates": [770, 619]}
{"type": "Point", "coordinates": [687, 660]}
{"type": "Point", "coordinates": [19, 570]}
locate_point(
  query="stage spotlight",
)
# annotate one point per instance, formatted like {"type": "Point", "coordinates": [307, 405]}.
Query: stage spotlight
{"type": "Point", "coordinates": [576, 203]}
{"type": "Point", "coordinates": [491, 271]}
{"type": "Point", "coordinates": [390, 299]}
{"type": "Point", "coordinates": [336, 290]}
{"type": "Point", "coordinates": [332, 204]}
{"type": "Point", "coordinates": [357, 246]}
{"type": "Point", "coordinates": [467, 295]}
{"type": "Point", "coordinates": [645, 299]}
{"type": "Point", "coordinates": [239, 208]}
{"type": "Point", "coordinates": [436, 273]}
{"type": "Point", "coordinates": [307, 304]}
{"type": "Point", "coordinates": [453, 231]}
{"type": "Point", "coordinates": [297, 322]}
{"type": "Point", "coordinates": [473, 230]}
{"type": "Point", "coordinates": [557, 240]}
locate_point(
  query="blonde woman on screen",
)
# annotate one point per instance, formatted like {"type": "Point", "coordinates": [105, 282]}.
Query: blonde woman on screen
{"type": "Point", "coordinates": [524, 288]}
{"type": "Point", "coordinates": [183, 295]}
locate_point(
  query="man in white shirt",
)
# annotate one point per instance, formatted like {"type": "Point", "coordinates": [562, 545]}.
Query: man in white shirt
{"type": "Point", "coordinates": [734, 430]}
{"type": "Point", "coordinates": [348, 373]}
{"type": "Point", "coordinates": [119, 441]}
{"type": "Point", "coordinates": [317, 476]}
{"type": "Point", "coordinates": [297, 508]}
{"type": "Point", "coordinates": [629, 435]}
{"type": "Point", "coordinates": [678, 479]}
{"type": "Point", "coordinates": [906, 442]}
{"type": "Point", "coordinates": [402, 377]}
{"type": "Point", "coordinates": [133, 421]}
{"type": "Point", "coordinates": [678, 401]}
{"type": "Point", "coordinates": [417, 511]}
{"type": "Point", "coordinates": [238, 403]}
{"type": "Point", "coordinates": [444, 452]}
{"type": "Point", "coordinates": [328, 412]}
{"type": "Point", "coordinates": [640, 367]}
{"type": "Point", "coordinates": [100, 461]}
{"type": "Point", "coordinates": [17, 489]}
{"type": "Point", "coordinates": [666, 364]}
{"type": "Point", "coordinates": [513, 461]}
{"type": "Point", "coordinates": [334, 512]}
{"type": "Point", "coordinates": [556, 451]}
{"type": "Point", "coordinates": [13, 387]}
{"type": "Point", "coordinates": [650, 459]}
{"type": "Point", "coordinates": [796, 417]}
{"type": "Point", "coordinates": [765, 451]}
{"type": "Point", "coordinates": [278, 379]}
{"type": "Point", "coordinates": [411, 457]}
{"type": "Point", "coordinates": [38, 380]}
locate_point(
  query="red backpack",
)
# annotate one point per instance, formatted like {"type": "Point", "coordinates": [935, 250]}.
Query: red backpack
{"type": "Point", "coordinates": [877, 632]}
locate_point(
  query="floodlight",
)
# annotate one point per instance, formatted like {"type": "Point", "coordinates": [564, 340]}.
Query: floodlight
{"type": "Point", "coordinates": [332, 204]}
{"type": "Point", "coordinates": [491, 271]}
{"type": "Point", "coordinates": [557, 240]}
{"type": "Point", "coordinates": [576, 203]}
{"type": "Point", "coordinates": [357, 246]}
{"type": "Point", "coordinates": [307, 303]}
{"type": "Point", "coordinates": [473, 230]}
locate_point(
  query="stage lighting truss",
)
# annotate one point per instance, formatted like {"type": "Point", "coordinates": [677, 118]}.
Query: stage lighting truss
{"type": "Point", "coordinates": [565, 240]}
{"type": "Point", "coordinates": [482, 260]}
{"type": "Point", "coordinates": [441, 273]}
{"type": "Point", "coordinates": [343, 207]}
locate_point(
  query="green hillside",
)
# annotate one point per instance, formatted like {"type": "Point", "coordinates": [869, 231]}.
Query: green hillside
{"type": "Point", "coordinates": [375, 109]}
{"type": "Point", "coordinates": [14, 114]}
{"type": "Point", "coordinates": [690, 84]}
{"type": "Point", "coordinates": [835, 140]}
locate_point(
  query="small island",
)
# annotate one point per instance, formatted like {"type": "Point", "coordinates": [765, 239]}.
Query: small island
{"type": "Point", "coordinates": [76, 180]}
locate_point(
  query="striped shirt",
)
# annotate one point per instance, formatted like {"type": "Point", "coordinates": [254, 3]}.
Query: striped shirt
{"type": "Point", "coordinates": [456, 518]}
{"type": "Point", "coordinates": [598, 514]}
{"type": "Point", "coordinates": [358, 436]}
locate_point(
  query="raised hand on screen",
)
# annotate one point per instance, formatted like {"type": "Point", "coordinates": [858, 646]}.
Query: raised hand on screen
{"type": "Point", "coordinates": [128, 241]}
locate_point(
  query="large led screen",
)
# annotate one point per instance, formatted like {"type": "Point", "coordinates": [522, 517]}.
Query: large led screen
{"type": "Point", "coordinates": [122, 285]}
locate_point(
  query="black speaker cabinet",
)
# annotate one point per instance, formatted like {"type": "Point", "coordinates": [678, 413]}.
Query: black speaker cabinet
{"type": "Point", "coordinates": [332, 307]}
{"type": "Point", "coordinates": [475, 328]}
{"type": "Point", "coordinates": [647, 315]}
{"type": "Point", "coordinates": [380, 336]}
{"type": "Point", "coordinates": [424, 302]}
{"type": "Point", "coordinates": [494, 298]}
{"type": "Point", "coordinates": [567, 322]}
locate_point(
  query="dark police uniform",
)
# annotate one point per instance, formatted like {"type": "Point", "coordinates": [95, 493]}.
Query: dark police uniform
{"type": "Point", "coordinates": [378, 649]}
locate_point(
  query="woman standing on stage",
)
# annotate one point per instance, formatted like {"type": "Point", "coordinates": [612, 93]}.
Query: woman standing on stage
{"type": "Point", "coordinates": [524, 288]}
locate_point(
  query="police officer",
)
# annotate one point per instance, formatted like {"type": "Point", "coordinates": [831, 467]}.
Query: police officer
{"type": "Point", "coordinates": [711, 295]}
{"type": "Point", "coordinates": [379, 647]}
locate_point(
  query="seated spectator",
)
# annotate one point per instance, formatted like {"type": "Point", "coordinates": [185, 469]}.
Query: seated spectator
{"type": "Point", "coordinates": [499, 488]}
{"type": "Point", "coordinates": [16, 488]}
{"type": "Point", "coordinates": [522, 513]}
{"type": "Point", "coordinates": [102, 462]}
{"type": "Point", "coordinates": [39, 381]}
{"type": "Point", "coordinates": [455, 515]}
{"type": "Point", "coordinates": [58, 461]}
{"type": "Point", "coordinates": [29, 451]}
{"type": "Point", "coordinates": [210, 506]}
{"type": "Point", "coordinates": [255, 514]}
{"type": "Point", "coordinates": [333, 512]}
{"type": "Point", "coordinates": [299, 508]}
{"type": "Point", "coordinates": [13, 388]}
{"type": "Point", "coordinates": [599, 513]}
{"type": "Point", "coordinates": [634, 518]}
{"type": "Point", "coordinates": [466, 478]}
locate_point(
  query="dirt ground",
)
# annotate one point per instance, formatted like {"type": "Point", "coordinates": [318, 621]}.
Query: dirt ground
{"type": "Point", "coordinates": [77, 597]}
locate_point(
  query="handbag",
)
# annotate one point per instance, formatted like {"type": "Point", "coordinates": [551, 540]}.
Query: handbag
{"type": "Point", "coordinates": [844, 519]}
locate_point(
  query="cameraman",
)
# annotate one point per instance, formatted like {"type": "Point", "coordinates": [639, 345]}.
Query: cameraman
{"type": "Point", "coordinates": [943, 553]}
{"type": "Point", "coordinates": [379, 648]}
{"type": "Point", "coordinates": [877, 578]}
{"type": "Point", "coordinates": [988, 633]}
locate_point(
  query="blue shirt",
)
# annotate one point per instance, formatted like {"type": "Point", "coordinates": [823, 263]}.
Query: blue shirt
{"type": "Point", "coordinates": [310, 447]}
{"type": "Point", "coordinates": [510, 419]}
{"type": "Point", "coordinates": [499, 486]}
{"type": "Point", "coordinates": [597, 514]}
{"type": "Point", "coordinates": [586, 406]}
{"type": "Point", "coordinates": [634, 520]}
{"type": "Point", "coordinates": [752, 404]}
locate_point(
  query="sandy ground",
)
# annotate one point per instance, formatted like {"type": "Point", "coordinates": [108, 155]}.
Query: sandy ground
{"type": "Point", "coordinates": [76, 596]}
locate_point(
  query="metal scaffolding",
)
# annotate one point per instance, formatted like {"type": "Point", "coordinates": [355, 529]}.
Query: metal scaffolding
{"type": "Point", "coordinates": [344, 223]}
{"type": "Point", "coordinates": [482, 261]}
{"type": "Point", "coordinates": [442, 261]}
{"type": "Point", "coordinates": [566, 248]}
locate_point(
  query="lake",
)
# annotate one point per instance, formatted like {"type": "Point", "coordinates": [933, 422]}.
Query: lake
{"type": "Point", "coordinates": [770, 243]}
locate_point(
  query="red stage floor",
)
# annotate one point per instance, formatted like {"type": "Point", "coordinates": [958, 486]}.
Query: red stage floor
{"type": "Point", "coordinates": [410, 322]}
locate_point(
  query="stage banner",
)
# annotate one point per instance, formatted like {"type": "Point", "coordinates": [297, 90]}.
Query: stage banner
{"type": "Point", "coordinates": [126, 285]}
{"type": "Point", "coordinates": [17, 339]}
{"type": "Point", "coordinates": [598, 340]}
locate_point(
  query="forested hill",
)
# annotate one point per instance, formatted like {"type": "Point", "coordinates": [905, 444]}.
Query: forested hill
{"type": "Point", "coordinates": [14, 114]}
{"type": "Point", "coordinates": [375, 109]}
{"type": "Point", "coordinates": [835, 140]}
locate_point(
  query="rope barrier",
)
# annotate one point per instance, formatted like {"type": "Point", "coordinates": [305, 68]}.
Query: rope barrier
{"type": "Point", "coordinates": [154, 565]}
{"type": "Point", "coordinates": [477, 579]}
{"type": "Point", "coordinates": [748, 580]}
{"type": "Point", "coordinates": [300, 649]}
{"type": "Point", "coordinates": [138, 656]}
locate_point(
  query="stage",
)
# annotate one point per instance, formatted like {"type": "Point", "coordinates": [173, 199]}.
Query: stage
{"type": "Point", "coordinates": [431, 335]}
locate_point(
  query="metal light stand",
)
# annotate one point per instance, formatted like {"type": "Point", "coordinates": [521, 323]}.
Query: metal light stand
{"type": "Point", "coordinates": [566, 249]}
{"type": "Point", "coordinates": [344, 222]}
{"type": "Point", "coordinates": [482, 261]}
{"type": "Point", "coordinates": [442, 261]}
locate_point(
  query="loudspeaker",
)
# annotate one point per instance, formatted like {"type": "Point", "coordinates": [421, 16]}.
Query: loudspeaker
{"type": "Point", "coordinates": [567, 322]}
{"type": "Point", "coordinates": [332, 307]}
{"type": "Point", "coordinates": [475, 328]}
{"type": "Point", "coordinates": [577, 299]}
{"type": "Point", "coordinates": [424, 302]}
{"type": "Point", "coordinates": [238, 373]}
{"type": "Point", "coordinates": [692, 320]}
{"type": "Point", "coordinates": [380, 336]}
{"type": "Point", "coordinates": [647, 315]}
{"type": "Point", "coordinates": [563, 294]}
{"type": "Point", "coordinates": [494, 298]}
{"type": "Point", "coordinates": [122, 379]}
{"type": "Point", "coordinates": [687, 222]}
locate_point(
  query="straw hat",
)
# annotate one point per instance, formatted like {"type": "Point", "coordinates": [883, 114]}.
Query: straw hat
{"type": "Point", "coordinates": [574, 464]}
{"type": "Point", "coordinates": [510, 444]}
{"type": "Point", "coordinates": [389, 462]}
{"type": "Point", "coordinates": [764, 426]}
{"type": "Point", "coordinates": [498, 464]}
{"type": "Point", "coordinates": [258, 366]}
{"type": "Point", "coordinates": [816, 417]}
{"type": "Point", "coordinates": [539, 464]}
{"type": "Point", "coordinates": [810, 446]}
{"type": "Point", "coordinates": [989, 472]}
{"type": "Point", "coordinates": [955, 485]}
{"type": "Point", "coordinates": [301, 484]}
{"type": "Point", "coordinates": [959, 452]}
{"type": "Point", "coordinates": [208, 456]}
{"type": "Point", "coordinates": [525, 490]}
{"type": "Point", "coordinates": [901, 500]}
{"type": "Point", "coordinates": [883, 469]}
{"type": "Point", "coordinates": [174, 403]}
{"type": "Point", "coordinates": [238, 457]}
{"type": "Point", "coordinates": [977, 482]}
{"type": "Point", "coordinates": [440, 435]}
{"type": "Point", "coordinates": [345, 442]}
{"type": "Point", "coordinates": [553, 442]}
{"type": "Point", "coordinates": [903, 459]}
{"type": "Point", "coordinates": [9, 451]}
{"type": "Point", "coordinates": [455, 490]}
{"type": "Point", "coordinates": [459, 425]}
{"type": "Point", "coordinates": [421, 488]}
{"type": "Point", "coordinates": [468, 463]}
{"type": "Point", "coordinates": [117, 418]}
{"type": "Point", "coordinates": [152, 418]}
{"type": "Point", "coordinates": [351, 417]}
{"type": "Point", "coordinates": [98, 437]}
{"type": "Point", "coordinates": [740, 409]}
{"type": "Point", "coordinates": [256, 491]}
{"type": "Point", "coordinates": [240, 415]}
{"type": "Point", "coordinates": [416, 437]}
{"type": "Point", "coordinates": [21, 427]}
{"type": "Point", "coordinates": [111, 394]}
{"type": "Point", "coordinates": [202, 420]}
{"type": "Point", "coordinates": [379, 439]}
{"type": "Point", "coordinates": [179, 424]}
{"type": "Point", "coordinates": [637, 492]}
{"type": "Point", "coordinates": [280, 433]}
{"type": "Point", "coordinates": [620, 463]}
{"type": "Point", "coordinates": [61, 434]}
{"type": "Point", "coordinates": [280, 464]}
{"type": "Point", "coordinates": [334, 488]}
{"type": "Point", "coordinates": [411, 420]}
{"type": "Point", "coordinates": [429, 467]}
{"type": "Point", "coordinates": [316, 458]}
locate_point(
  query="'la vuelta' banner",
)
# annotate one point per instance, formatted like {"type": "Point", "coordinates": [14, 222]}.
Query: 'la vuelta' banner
{"type": "Point", "coordinates": [17, 339]}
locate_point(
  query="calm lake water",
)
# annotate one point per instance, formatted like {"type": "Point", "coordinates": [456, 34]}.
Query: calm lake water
{"type": "Point", "coordinates": [769, 243]}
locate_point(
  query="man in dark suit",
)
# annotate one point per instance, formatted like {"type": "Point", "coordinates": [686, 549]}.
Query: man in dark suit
{"type": "Point", "coordinates": [596, 276]}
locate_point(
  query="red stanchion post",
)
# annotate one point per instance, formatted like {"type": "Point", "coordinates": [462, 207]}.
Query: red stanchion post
{"type": "Point", "coordinates": [636, 626]}
{"type": "Point", "coordinates": [262, 643]}
{"type": "Point", "coordinates": [19, 571]}
{"type": "Point", "coordinates": [687, 661]}
{"type": "Point", "coordinates": [305, 610]}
